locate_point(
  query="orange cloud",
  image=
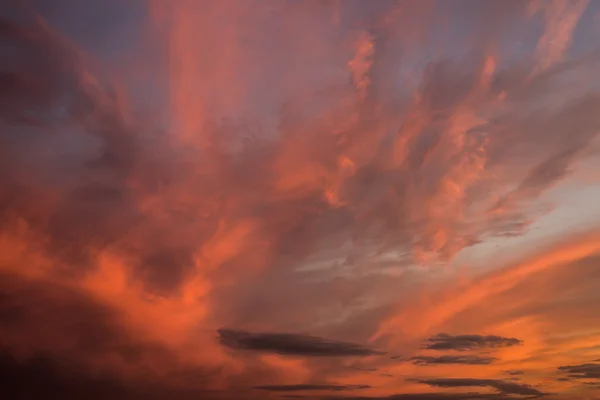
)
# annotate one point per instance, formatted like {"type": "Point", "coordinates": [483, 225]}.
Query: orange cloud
{"type": "Point", "coordinates": [306, 170]}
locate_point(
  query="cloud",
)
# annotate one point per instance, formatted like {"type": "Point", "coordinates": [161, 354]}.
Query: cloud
{"type": "Point", "coordinates": [285, 181]}
{"type": "Point", "coordinates": [500, 385]}
{"type": "Point", "coordinates": [40, 377]}
{"type": "Point", "coordinates": [292, 344]}
{"type": "Point", "coordinates": [444, 341]}
{"type": "Point", "coordinates": [589, 371]}
{"type": "Point", "coordinates": [46, 376]}
{"type": "Point", "coordinates": [443, 306]}
{"type": "Point", "coordinates": [453, 359]}
{"type": "Point", "coordinates": [44, 315]}
{"type": "Point", "coordinates": [429, 396]}
{"type": "Point", "coordinates": [58, 341]}
{"type": "Point", "coordinates": [309, 387]}
{"type": "Point", "coordinates": [560, 19]}
{"type": "Point", "coordinates": [74, 120]}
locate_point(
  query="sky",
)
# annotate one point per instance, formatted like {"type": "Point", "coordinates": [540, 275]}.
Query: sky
{"type": "Point", "coordinates": [314, 199]}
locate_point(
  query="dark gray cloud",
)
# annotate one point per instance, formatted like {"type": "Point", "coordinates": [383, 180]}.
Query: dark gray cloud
{"type": "Point", "coordinates": [588, 371]}
{"type": "Point", "coordinates": [444, 341]}
{"type": "Point", "coordinates": [309, 387]}
{"type": "Point", "coordinates": [515, 372]}
{"type": "Point", "coordinates": [453, 359]}
{"type": "Point", "coordinates": [291, 344]}
{"type": "Point", "coordinates": [429, 396]}
{"type": "Point", "coordinates": [504, 387]}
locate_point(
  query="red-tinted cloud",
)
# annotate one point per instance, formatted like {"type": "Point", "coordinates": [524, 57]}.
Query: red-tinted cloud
{"type": "Point", "coordinates": [312, 175]}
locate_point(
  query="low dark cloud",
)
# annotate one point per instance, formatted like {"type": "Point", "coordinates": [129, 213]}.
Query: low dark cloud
{"type": "Point", "coordinates": [366, 369]}
{"type": "Point", "coordinates": [55, 342]}
{"type": "Point", "coordinates": [40, 313]}
{"type": "Point", "coordinates": [500, 385]}
{"type": "Point", "coordinates": [444, 341]}
{"type": "Point", "coordinates": [44, 376]}
{"type": "Point", "coordinates": [40, 377]}
{"type": "Point", "coordinates": [589, 371]}
{"type": "Point", "coordinates": [309, 387]}
{"type": "Point", "coordinates": [429, 396]}
{"type": "Point", "coordinates": [515, 372]}
{"type": "Point", "coordinates": [291, 344]}
{"type": "Point", "coordinates": [453, 359]}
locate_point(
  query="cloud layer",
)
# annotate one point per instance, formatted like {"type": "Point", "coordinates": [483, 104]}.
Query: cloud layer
{"type": "Point", "coordinates": [350, 200]}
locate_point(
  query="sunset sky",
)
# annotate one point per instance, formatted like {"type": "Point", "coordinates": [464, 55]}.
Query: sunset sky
{"type": "Point", "coordinates": [314, 199]}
